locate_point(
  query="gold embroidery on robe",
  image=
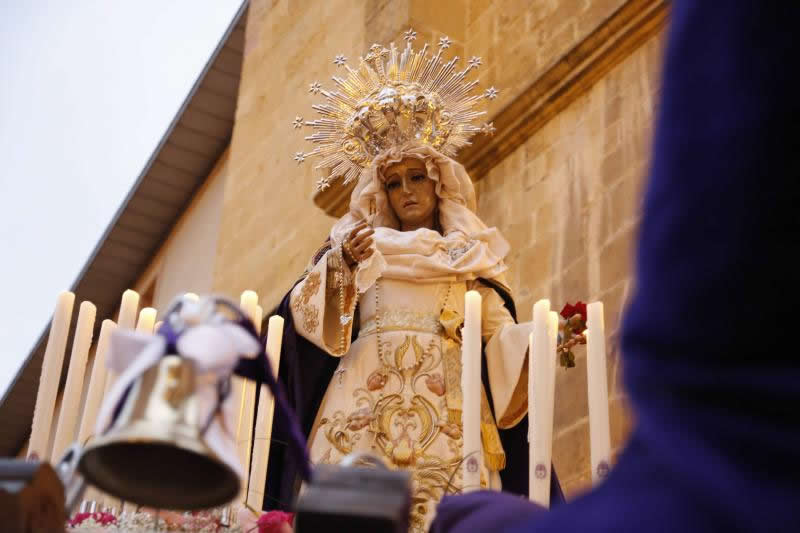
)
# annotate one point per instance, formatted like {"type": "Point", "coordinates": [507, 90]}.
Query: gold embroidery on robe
{"type": "Point", "coordinates": [402, 320]}
{"type": "Point", "coordinates": [401, 427]}
{"type": "Point", "coordinates": [451, 321]}
{"type": "Point", "coordinates": [310, 313]}
{"type": "Point", "coordinates": [404, 406]}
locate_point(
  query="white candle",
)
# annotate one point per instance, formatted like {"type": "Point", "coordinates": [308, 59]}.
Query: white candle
{"type": "Point", "coordinates": [248, 301]}
{"type": "Point", "coordinates": [50, 376]}
{"type": "Point", "coordinates": [94, 395]}
{"type": "Point", "coordinates": [237, 398]}
{"type": "Point", "coordinates": [73, 390]}
{"type": "Point", "coordinates": [471, 392]}
{"type": "Point", "coordinates": [539, 372]}
{"type": "Point", "coordinates": [258, 317]}
{"type": "Point", "coordinates": [264, 417]}
{"type": "Point", "coordinates": [128, 312]}
{"type": "Point", "coordinates": [599, 430]}
{"type": "Point", "coordinates": [257, 313]}
{"type": "Point", "coordinates": [552, 338]}
{"type": "Point", "coordinates": [145, 324]}
{"type": "Point", "coordinates": [147, 320]}
{"type": "Point", "coordinates": [245, 430]}
{"type": "Point", "coordinates": [128, 309]}
{"type": "Point", "coordinates": [244, 394]}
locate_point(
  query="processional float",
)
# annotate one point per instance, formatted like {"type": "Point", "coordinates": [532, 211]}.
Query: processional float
{"type": "Point", "coordinates": [167, 421]}
{"type": "Point", "coordinates": [169, 415]}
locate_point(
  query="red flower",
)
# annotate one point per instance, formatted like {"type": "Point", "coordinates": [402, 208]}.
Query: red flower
{"type": "Point", "coordinates": [570, 310]}
{"type": "Point", "coordinates": [78, 519]}
{"type": "Point", "coordinates": [100, 517]}
{"type": "Point", "coordinates": [272, 521]}
{"type": "Point", "coordinates": [104, 518]}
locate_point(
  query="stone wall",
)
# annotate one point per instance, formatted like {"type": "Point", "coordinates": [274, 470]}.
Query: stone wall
{"type": "Point", "coordinates": [566, 199]}
{"type": "Point", "coordinates": [186, 260]}
{"type": "Point", "coordinates": [269, 225]}
{"type": "Point", "coordinates": [516, 39]}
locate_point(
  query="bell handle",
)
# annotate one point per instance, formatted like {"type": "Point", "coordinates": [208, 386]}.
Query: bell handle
{"type": "Point", "coordinates": [73, 481]}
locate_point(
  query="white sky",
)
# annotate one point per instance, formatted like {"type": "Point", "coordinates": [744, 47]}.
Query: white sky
{"type": "Point", "coordinates": [87, 89]}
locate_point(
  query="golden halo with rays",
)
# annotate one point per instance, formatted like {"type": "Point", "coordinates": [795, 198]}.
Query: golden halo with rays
{"type": "Point", "coordinates": [393, 97]}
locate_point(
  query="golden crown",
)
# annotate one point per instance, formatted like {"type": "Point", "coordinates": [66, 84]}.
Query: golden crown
{"type": "Point", "coordinates": [390, 99]}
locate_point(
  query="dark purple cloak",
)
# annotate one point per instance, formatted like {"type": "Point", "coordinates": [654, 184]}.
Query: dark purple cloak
{"type": "Point", "coordinates": [305, 372]}
{"type": "Point", "coordinates": [708, 341]}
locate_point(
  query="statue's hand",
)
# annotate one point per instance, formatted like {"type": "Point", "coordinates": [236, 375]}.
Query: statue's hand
{"type": "Point", "coordinates": [358, 245]}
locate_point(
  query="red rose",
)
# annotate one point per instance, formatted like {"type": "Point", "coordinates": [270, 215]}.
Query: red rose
{"type": "Point", "coordinates": [570, 310]}
{"type": "Point", "coordinates": [567, 311]}
{"type": "Point", "coordinates": [78, 519]}
{"type": "Point", "coordinates": [272, 521]}
{"type": "Point", "coordinates": [104, 518]}
{"type": "Point", "coordinates": [580, 307]}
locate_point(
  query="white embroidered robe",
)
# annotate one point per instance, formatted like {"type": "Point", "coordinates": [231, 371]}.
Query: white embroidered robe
{"type": "Point", "coordinates": [392, 402]}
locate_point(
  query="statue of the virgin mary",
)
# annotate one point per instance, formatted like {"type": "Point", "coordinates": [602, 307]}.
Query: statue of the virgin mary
{"type": "Point", "coordinates": [372, 348]}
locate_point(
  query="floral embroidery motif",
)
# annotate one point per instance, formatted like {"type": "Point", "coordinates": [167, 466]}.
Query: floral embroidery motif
{"type": "Point", "coordinates": [359, 419]}
{"type": "Point", "coordinates": [401, 419]}
{"type": "Point", "coordinates": [377, 380]}
{"type": "Point", "coordinates": [300, 304]}
{"type": "Point", "coordinates": [435, 384]}
{"type": "Point", "coordinates": [402, 403]}
{"type": "Point", "coordinates": [451, 430]}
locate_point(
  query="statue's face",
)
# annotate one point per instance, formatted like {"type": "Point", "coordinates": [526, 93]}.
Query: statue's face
{"type": "Point", "coordinates": [411, 193]}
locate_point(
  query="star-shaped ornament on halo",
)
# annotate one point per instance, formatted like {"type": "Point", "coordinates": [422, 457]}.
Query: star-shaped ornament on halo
{"type": "Point", "coordinates": [298, 122]}
{"type": "Point", "coordinates": [299, 157]}
{"type": "Point", "coordinates": [488, 128]}
{"type": "Point", "coordinates": [315, 88]}
{"type": "Point", "coordinates": [339, 60]}
{"type": "Point", "coordinates": [410, 35]}
{"type": "Point", "coordinates": [475, 62]}
{"type": "Point", "coordinates": [445, 42]}
{"type": "Point", "coordinates": [491, 93]}
{"type": "Point", "coordinates": [376, 51]}
{"type": "Point", "coordinates": [323, 184]}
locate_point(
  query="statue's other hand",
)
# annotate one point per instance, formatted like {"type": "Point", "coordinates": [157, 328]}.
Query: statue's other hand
{"type": "Point", "coordinates": [358, 245]}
